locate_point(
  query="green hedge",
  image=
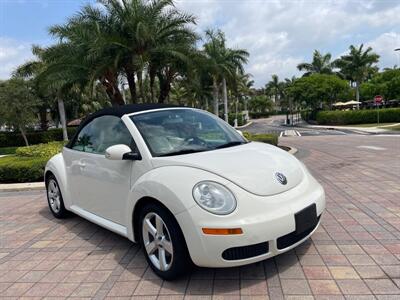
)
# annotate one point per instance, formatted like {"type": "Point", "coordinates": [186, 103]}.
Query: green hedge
{"type": "Point", "coordinates": [232, 117]}
{"type": "Point", "coordinates": [265, 138]}
{"type": "Point", "coordinates": [14, 139]}
{"type": "Point", "coordinates": [21, 169]}
{"type": "Point", "coordinates": [258, 115]}
{"type": "Point", "coordinates": [362, 116]}
{"type": "Point", "coordinates": [7, 150]}
{"type": "Point", "coordinates": [40, 150]}
{"type": "Point", "coordinates": [28, 163]}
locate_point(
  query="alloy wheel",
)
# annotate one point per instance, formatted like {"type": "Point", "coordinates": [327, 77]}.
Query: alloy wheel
{"type": "Point", "coordinates": [157, 241]}
{"type": "Point", "coordinates": [53, 192]}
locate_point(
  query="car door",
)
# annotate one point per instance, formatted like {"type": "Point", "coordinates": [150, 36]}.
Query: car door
{"type": "Point", "coordinates": [99, 185]}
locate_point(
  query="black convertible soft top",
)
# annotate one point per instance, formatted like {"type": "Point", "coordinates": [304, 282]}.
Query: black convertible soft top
{"type": "Point", "coordinates": [118, 111]}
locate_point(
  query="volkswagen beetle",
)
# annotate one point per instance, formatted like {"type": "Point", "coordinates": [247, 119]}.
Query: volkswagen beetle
{"type": "Point", "coordinates": [186, 186]}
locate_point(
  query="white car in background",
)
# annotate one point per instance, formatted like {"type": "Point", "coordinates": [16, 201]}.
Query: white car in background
{"type": "Point", "coordinates": [186, 186]}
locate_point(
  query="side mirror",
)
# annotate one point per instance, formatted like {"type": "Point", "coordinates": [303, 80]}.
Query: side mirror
{"type": "Point", "coordinates": [121, 152]}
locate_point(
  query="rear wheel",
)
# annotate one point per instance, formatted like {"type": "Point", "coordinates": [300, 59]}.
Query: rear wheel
{"type": "Point", "coordinates": [54, 198]}
{"type": "Point", "coordinates": [163, 243]}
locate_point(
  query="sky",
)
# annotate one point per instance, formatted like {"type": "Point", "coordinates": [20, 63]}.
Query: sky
{"type": "Point", "coordinates": [278, 34]}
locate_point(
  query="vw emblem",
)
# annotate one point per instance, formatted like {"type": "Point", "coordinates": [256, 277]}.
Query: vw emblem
{"type": "Point", "coordinates": [281, 178]}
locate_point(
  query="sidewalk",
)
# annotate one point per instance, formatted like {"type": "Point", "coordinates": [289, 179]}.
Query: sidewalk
{"type": "Point", "coordinates": [27, 186]}
{"type": "Point", "coordinates": [382, 129]}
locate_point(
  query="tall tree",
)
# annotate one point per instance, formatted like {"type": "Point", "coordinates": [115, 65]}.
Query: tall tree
{"type": "Point", "coordinates": [223, 63]}
{"type": "Point", "coordinates": [358, 65]}
{"type": "Point", "coordinates": [136, 39]}
{"type": "Point", "coordinates": [275, 88]}
{"type": "Point", "coordinates": [18, 104]}
{"type": "Point", "coordinates": [321, 64]}
{"type": "Point", "coordinates": [317, 89]}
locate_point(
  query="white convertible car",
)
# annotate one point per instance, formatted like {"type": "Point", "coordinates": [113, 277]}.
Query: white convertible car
{"type": "Point", "coordinates": [185, 185]}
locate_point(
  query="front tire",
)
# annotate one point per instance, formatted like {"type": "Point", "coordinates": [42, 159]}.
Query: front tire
{"type": "Point", "coordinates": [163, 243]}
{"type": "Point", "coordinates": [54, 198]}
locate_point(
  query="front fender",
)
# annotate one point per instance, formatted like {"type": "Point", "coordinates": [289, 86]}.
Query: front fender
{"type": "Point", "coordinates": [56, 165]}
{"type": "Point", "coordinates": [170, 185]}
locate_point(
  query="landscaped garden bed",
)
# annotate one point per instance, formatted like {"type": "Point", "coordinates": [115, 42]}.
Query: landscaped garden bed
{"type": "Point", "coordinates": [28, 163]}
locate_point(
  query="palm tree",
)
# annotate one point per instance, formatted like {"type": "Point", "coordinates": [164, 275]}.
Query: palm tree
{"type": "Point", "coordinates": [47, 87]}
{"type": "Point", "coordinates": [134, 39]}
{"type": "Point", "coordinates": [358, 65]}
{"type": "Point", "coordinates": [223, 63]}
{"type": "Point", "coordinates": [321, 63]}
{"type": "Point", "coordinates": [275, 88]}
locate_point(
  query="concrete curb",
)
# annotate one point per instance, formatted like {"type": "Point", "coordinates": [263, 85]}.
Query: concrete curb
{"type": "Point", "coordinates": [18, 187]}
{"type": "Point", "coordinates": [244, 126]}
{"type": "Point", "coordinates": [292, 150]}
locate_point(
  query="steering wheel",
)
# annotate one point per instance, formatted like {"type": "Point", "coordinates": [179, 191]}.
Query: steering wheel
{"type": "Point", "coordinates": [195, 141]}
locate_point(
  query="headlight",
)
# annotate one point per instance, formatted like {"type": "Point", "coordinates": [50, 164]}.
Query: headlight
{"type": "Point", "coordinates": [214, 197]}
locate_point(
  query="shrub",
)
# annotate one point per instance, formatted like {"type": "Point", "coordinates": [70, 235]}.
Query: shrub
{"type": "Point", "coordinates": [7, 150]}
{"type": "Point", "coordinates": [265, 138]}
{"type": "Point", "coordinates": [363, 116]}
{"type": "Point", "coordinates": [40, 150]}
{"type": "Point", "coordinates": [21, 169]}
{"type": "Point", "coordinates": [28, 163]}
{"type": "Point", "coordinates": [14, 139]}
{"type": "Point", "coordinates": [232, 117]}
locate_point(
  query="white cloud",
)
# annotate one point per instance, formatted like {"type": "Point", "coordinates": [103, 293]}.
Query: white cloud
{"type": "Point", "coordinates": [12, 54]}
{"type": "Point", "coordinates": [280, 34]}
{"type": "Point", "coordinates": [384, 45]}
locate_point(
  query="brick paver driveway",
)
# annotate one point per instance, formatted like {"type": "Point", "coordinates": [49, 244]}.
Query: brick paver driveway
{"type": "Point", "coordinates": [355, 253]}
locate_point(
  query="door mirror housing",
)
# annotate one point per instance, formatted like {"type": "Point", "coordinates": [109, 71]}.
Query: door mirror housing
{"type": "Point", "coordinates": [121, 152]}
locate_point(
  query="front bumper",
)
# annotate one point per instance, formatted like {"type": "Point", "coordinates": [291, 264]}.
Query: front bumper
{"type": "Point", "coordinates": [262, 219]}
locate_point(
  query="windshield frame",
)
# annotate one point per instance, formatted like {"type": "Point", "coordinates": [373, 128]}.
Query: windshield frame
{"type": "Point", "coordinates": [155, 155]}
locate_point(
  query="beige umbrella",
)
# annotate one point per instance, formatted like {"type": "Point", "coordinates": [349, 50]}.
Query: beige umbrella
{"type": "Point", "coordinates": [352, 102]}
{"type": "Point", "coordinates": [339, 104]}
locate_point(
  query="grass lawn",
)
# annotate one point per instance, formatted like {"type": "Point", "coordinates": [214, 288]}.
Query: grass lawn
{"type": "Point", "coordinates": [371, 125]}
{"type": "Point", "coordinates": [397, 128]}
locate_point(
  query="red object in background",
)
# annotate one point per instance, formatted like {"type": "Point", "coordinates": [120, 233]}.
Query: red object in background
{"type": "Point", "coordinates": [378, 99]}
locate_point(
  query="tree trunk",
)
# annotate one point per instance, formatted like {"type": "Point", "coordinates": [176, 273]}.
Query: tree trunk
{"type": "Point", "coordinates": [215, 96]}
{"type": "Point", "coordinates": [225, 97]}
{"type": "Point", "coordinates": [152, 77]}
{"type": "Point", "coordinates": [140, 83]}
{"type": "Point", "coordinates": [22, 130]}
{"type": "Point", "coordinates": [61, 111]}
{"type": "Point", "coordinates": [357, 93]}
{"type": "Point", "coordinates": [43, 118]}
{"type": "Point", "coordinates": [130, 76]}
{"type": "Point", "coordinates": [113, 93]}
{"type": "Point", "coordinates": [165, 87]}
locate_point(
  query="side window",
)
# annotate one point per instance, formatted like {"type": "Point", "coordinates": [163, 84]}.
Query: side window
{"type": "Point", "coordinates": [102, 133]}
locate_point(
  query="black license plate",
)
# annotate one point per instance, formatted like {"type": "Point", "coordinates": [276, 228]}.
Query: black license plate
{"type": "Point", "coordinates": [306, 218]}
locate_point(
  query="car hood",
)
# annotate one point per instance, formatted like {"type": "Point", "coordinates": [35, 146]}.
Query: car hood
{"type": "Point", "coordinates": [252, 166]}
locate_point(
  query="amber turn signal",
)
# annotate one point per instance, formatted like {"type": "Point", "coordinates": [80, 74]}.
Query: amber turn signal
{"type": "Point", "coordinates": [222, 231]}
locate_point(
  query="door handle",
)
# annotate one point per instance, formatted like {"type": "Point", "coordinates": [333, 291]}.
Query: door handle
{"type": "Point", "coordinates": [81, 164]}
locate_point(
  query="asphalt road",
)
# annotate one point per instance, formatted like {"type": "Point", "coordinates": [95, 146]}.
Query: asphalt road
{"type": "Point", "coordinates": [275, 124]}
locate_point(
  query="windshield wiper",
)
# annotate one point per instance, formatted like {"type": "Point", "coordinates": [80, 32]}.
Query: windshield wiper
{"type": "Point", "coordinates": [230, 144]}
{"type": "Point", "coordinates": [184, 151]}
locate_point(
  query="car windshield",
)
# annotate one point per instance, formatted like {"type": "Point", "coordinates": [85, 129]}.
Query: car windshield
{"type": "Point", "coordinates": [182, 131]}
